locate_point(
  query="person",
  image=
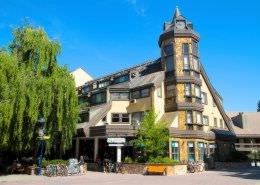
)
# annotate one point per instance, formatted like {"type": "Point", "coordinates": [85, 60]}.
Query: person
{"type": "Point", "coordinates": [82, 166]}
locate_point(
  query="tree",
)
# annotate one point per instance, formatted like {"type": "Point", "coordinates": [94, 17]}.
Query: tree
{"type": "Point", "coordinates": [258, 106]}
{"type": "Point", "coordinates": [152, 137]}
{"type": "Point", "coordinates": [32, 84]}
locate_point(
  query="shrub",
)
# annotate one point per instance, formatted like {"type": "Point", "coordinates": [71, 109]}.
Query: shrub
{"type": "Point", "coordinates": [54, 162]}
{"type": "Point", "coordinates": [254, 155]}
{"type": "Point", "coordinates": [162, 160]}
{"type": "Point", "coordinates": [128, 160]}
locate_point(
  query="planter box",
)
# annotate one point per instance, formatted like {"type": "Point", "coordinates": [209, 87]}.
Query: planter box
{"type": "Point", "coordinates": [258, 163]}
{"type": "Point", "coordinates": [168, 170]}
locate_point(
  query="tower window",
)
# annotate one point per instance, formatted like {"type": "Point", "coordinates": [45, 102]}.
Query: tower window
{"type": "Point", "coordinates": [197, 91]}
{"type": "Point", "coordinates": [186, 61]}
{"type": "Point", "coordinates": [189, 117]}
{"type": "Point", "coordinates": [169, 64]}
{"type": "Point", "coordinates": [187, 89]}
{"type": "Point", "coordinates": [204, 98]}
{"type": "Point", "coordinates": [168, 50]}
{"type": "Point", "coordinates": [195, 48]}
{"type": "Point", "coordinates": [185, 48]}
{"type": "Point", "coordinates": [195, 64]}
{"type": "Point", "coordinates": [215, 122]}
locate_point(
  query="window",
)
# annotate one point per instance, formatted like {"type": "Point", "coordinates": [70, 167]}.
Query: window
{"type": "Point", "coordinates": [120, 95]}
{"type": "Point", "coordinates": [195, 64]}
{"type": "Point", "coordinates": [189, 127]}
{"type": "Point", "coordinates": [121, 79]}
{"type": "Point", "coordinates": [201, 151]}
{"type": "Point", "coordinates": [221, 123]}
{"type": "Point", "coordinates": [86, 89]}
{"type": "Point", "coordinates": [168, 50]}
{"type": "Point", "coordinates": [212, 148]}
{"type": "Point", "coordinates": [159, 92]}
{"type": "Point", "coordinates": [121, 118]}
{"type": "Point", "coordinates": [175, 151]}
{"type": "Point", "coordinates": [145, 92]}
{"type": "Point", "coordinates": [186, 62]}
{"type": "Point", "coordinates": [98, 98]}
{"type": "Point", "coordinates": [205, 120]}
{"type": "Point", "coordinates": [84, 117]}
{"type": "Point", "coordinates": [197, 91]}
{"type": "Point", "coordinates": [215, 122]}
{"type": "Point", "coordinates": [137, 117]}
{"type": "Point", "coordinates": [213, 103]}
{"type": "Point", "coordinates": [115, 118]}
{"type": "Point", "coordinates": [103, 84]}
{"type": "Point", "coordinates": [82, 100]}
{"type": "Point", "coordinates": [125, 118]}
{"type": "Point", "coordinates": [191, 151]}
{"type": "Point", "coordinates": [195, 48]}
{"type": "Point", "coordinates": [169, 64]}
{"type": "Point", "coordinates": [198, 118]}
{"type": "Point", "coordinates": [185, 48]}
{"type": "Point", "coordinates": [170, 91]}
{"type": "Point", "coordinates": [140, 93]}
{"type": "Point", "coordinates": [204, 98]}
{"type": "Point", "coordinates": [189, 117]}
{"type": "Point", "coordinates": [187, 89]}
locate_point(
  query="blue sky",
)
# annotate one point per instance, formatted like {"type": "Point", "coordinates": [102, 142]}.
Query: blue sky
{"type": "Point", "coordinates": [103, 36]}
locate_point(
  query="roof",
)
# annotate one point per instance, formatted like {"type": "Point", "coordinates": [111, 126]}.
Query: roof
{"type": "Point", "coordinates": [96, 113]}
{"type": "Point", "coordinates": [145, 67]}
{"type": "Point", "coordinates": [246, 124]}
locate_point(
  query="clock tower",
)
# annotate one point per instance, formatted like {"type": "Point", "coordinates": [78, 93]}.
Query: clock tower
{"type": "Point", "coordinates": [180, 59]}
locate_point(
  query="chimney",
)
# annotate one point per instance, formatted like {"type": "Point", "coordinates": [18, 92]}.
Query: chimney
{"type": "Point", "coordinates": [243, 122]}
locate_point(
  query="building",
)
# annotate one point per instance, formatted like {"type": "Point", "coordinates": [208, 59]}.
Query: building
{"type": "Point", "coordinates": [247, 130]}
{"type": "Point", "coordinates": [178, 88]}
{"type": "Point", "coordinates": [81, 77]}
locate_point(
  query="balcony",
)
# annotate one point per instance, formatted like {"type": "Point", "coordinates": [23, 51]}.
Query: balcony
{"type": "Point", "coordinates": [247, 147]}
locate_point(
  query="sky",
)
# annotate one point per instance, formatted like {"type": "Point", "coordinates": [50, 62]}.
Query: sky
{"type": "Point", "coordinates": [103, 36]}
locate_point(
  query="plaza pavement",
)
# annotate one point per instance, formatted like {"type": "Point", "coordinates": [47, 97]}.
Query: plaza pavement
{"type": "Point", "coordinates": [229, 177]}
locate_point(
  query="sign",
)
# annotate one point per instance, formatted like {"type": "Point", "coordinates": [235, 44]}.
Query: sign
{"type": "Point", "coordinates": [116, 140]}
{"type": "Point", "coordinates": [115, 144]}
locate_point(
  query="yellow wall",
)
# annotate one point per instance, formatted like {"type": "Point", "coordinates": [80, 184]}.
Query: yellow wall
{"type": "Point", "coordinates": [209, 110]}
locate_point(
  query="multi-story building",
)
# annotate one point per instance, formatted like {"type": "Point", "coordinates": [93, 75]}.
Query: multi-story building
{"type": "Point", "coordinates": [175, 85]}
{"type": "Point", "coordinates": [247, 130]}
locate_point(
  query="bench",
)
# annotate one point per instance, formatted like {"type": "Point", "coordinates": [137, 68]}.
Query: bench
{"type": "Point", "coordinates": [156, 169]}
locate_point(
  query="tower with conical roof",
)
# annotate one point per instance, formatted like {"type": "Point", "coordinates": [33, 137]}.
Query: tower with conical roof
{"type": "Point", "coordinates": [189, 96]}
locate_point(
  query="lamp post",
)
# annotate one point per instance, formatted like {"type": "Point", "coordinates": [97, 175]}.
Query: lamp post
{"type": "Point", "coordinates": [41, 145]}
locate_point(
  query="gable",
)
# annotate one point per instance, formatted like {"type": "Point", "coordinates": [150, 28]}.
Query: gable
{"type": "Point", "coordinates": [217, 111]}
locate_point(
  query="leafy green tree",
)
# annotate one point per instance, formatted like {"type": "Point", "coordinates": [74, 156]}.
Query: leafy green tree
{"type": "Point", "coordinates": [258, 106]}
{"type": "Point", "coordinates": [32, 84]}
{"type": "Point", "coordinates": [152, 137]}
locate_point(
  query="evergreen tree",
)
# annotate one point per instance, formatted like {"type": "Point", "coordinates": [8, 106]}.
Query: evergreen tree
{"type": "Point", "coordinates": [258, 106]}
{"type": "Point", "coordinates": [32, 84]}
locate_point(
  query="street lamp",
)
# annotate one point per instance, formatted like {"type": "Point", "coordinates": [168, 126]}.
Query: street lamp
{"type": "Point", "coordinates": [41, 145]}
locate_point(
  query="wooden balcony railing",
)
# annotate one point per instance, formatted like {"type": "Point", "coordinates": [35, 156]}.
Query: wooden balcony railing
{"type": "Point", "coordinates": [247, 146]}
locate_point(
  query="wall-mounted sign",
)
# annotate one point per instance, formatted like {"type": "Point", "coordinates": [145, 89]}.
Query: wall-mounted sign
{"type": "Point", "coordinates": [115, 144]}
{"type": "Point", "coordinates": [116, 140]}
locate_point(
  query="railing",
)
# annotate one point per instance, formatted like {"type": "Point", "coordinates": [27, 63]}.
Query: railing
{"type": "Point", "coordinates": [247, 146]}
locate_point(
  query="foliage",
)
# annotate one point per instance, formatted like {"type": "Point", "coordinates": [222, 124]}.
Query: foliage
{"type": "Point", "coordinates": [254, 155]}
{"type": "Point", "coordinates": [258, 106]}
{"type": "Point", "coordinates": [32, 85]}
{"type": "Point", "coordinates": [152, 137]}
{"type": "Point", "coordinates": [53, 162]}
{"type": "Point", "coordinates": [162, 160]}
{"type": "Point", "coordinates": [128, 160]}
